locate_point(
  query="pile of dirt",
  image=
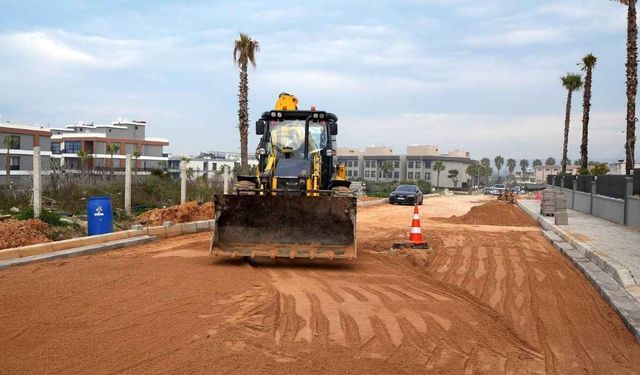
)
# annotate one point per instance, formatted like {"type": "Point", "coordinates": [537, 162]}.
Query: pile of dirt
{"type": "Point", "coordinates": [15, 233]}
{"type": "Point", "coordinates": [493, 213]}
{"type": "Point", "coordinates": [182, 213]}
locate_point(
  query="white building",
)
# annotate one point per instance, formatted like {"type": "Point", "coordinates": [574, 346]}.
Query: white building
{"type": "Point", "coordinates": [380, 163]}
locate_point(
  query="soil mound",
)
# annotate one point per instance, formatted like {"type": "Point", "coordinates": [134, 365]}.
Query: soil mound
{"type": "Point", "coordinates": [15, 233]}
{"type": "Point", "coordinates": [182, 213]}
{"type": "Point", "coordinates": [493, 213]}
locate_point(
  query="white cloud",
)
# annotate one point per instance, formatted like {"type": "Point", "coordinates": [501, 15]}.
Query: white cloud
{"type": "Point", "coordinates": [63, 48]}
{"type": "Point", "coordinates": [520, 37]}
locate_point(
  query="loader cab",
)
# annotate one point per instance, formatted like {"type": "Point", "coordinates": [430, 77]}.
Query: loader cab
{"type": "Point", "coordinates": [300, 141]}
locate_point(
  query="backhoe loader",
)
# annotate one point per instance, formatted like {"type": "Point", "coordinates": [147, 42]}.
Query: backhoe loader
{"type": "Point", "coordinates": [298, 204]}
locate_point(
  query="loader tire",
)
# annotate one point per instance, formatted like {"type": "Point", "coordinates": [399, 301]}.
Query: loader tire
{"type": "Point", "coordinates": [341, 191]}
{"type": "Point", "coordinates": [243, 185]}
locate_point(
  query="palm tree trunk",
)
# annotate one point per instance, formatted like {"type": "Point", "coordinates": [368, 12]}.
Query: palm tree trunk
{"type": "Point", "coordinates": [567, 118]}
{"type": "Point", "coordinates": [632, 84]}
{"type": "Point", "coordinates": [243, 117]}
{"type": "Point", "coordinates": [438, 183]}
{"type": "Point", "coordinates": [586, 108]}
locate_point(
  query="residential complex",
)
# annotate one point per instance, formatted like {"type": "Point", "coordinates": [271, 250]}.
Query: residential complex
{"type": "Point", "coordinates": [382, 164]}
{"type": "Point", "coordinates": [23, 139]}
{"type": "Point", "coordinates": [207, 163]}
{"type": "Point", "coordinates": [128, 137]}
{"type": "Point", "coordinates": [542, 171]}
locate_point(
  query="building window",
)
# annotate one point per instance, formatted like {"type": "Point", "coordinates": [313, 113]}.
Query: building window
{"type": "Point", "coordinates": [427, 175]}
{"type": "Point", "coordinates": [396, 175]}
{"type": "Point", "coordinates": [55, 147]}
{"type": "Point", "coordinates": [410, 175]}
{"type": "Point", "coordinates": [72, 147]}
{"type": "Point", "coordinates": [366, 173]}
{"type": "Point", "coordinates": [349, 173]}
{"type": "Point", "coordinates": [396, 164]}
{"type": "Point", "coordinates": [417, 175]}
{"type": "Point", "coordinates": [355, 173]}
{"type": "Point", "coordinates": [15, 163]}
{"type": "Point", "coordinates": [410, 164]}
{"type": "Point", "coordinates": [174, 164]}
{"type": "Point", "coordinates": [214, 166]}
{"type": "Point", "coordinates": [373, 164]}
{"type": "Point", "coordinates": [427, 164]}
{"type": "Point", "coordinates": [368, 164]}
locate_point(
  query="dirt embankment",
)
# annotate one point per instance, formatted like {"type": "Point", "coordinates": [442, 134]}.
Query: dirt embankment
{"type": "Point", "coordinates": [14, 233]}
{"type": "Point", "coordinates": [182, 213]}
{"type": "Point", "coordinates": [493, 213]}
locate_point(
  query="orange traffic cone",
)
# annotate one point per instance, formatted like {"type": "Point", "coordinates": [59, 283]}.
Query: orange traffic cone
{"type": "Point", "coordinates": [415, 236]}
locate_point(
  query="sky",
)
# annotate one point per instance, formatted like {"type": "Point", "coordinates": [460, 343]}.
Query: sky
{"type": "Point", "coordinates": [459, 74]}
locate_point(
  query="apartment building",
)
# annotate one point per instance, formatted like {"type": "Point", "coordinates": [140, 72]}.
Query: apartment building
{"type": "Point", "coordinates": [128, 136]}
{"type": "Point", "coordinates": [382, 164]}
{"type": "Point", "coordinates": [23, 139]}
{"type": "Point", "coordinates": [542, 171]}
{"type": "Point", "coordinates": [621, 167]}
{"type": "Point", "coordinates": [207, 163]}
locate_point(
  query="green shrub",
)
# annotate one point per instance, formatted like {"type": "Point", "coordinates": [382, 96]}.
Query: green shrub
{"type": "Point", "coordinates": [49, 217]}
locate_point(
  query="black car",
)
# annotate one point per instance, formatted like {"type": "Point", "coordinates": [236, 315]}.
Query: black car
{"type": "Point", "coordinates": [406, 194]}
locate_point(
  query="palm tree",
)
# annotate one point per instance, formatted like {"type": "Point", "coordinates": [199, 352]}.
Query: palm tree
{"type": "Point", "coordinates": [438, 166]}
{"type": "Point", "coordinates": [112, 148]}
{"type": "Point", "coordinates": [387, 169]}
{"type": "Point", "coordinates": [632, 81]}
{"type": "Point", "coordinates": [537, 163]}
{"type": "Point", "coordinates": [524, 164]}
{"type": "Point", "coordinates": [244, 52]}
{"type": "Point", "coordinates": [499, 162]}
{"type": "Point", "coordinates": [511, 165]}
{"type": "Point", "coordinates": [83, 156]}
{"type": "Point", "coordinates": [486, 163]}
{"type": "Point", "coordinates": [587, 65]}
{"type": "Point", "coordinates": [473, 170]}
{"type": "Point", "coordinates": [453, 175]}
{"type": "Point", "coordinates": [9, 142]}
{"type": "Point", "coordinates": [551, 161]}
{"type": "Point", "coordinates": [136, 155]}
{"type": "Point", "coordinates": [571, 82]}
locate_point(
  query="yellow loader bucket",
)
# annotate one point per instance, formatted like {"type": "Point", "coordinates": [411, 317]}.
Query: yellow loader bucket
{"type": "Point", "coordinates": [284, 226]}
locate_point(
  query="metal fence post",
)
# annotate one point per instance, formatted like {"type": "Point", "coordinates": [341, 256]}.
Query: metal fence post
{"type": "Point", "coordinates": [573, 192]}
{"type": "Point", "coordinates": [627, 195]}
{"type": "Point", "coordinates": [594, 191]}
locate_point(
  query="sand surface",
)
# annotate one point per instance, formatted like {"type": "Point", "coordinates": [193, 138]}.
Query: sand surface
{"type": "Point", "coordinates": [488, 299]}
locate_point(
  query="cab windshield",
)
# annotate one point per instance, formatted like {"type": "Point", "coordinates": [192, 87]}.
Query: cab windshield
{"type": "Point", "coordinates": [290, 134]}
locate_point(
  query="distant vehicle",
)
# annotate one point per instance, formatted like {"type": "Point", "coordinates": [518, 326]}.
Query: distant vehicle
{"type": "Point", "coordinates": [497, 189]}
{"type": "Point", "coordinates": [406, 194]}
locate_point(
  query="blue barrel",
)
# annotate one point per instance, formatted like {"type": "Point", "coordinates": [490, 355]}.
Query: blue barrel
{"type": "Point", "coordinates": [99, 215]}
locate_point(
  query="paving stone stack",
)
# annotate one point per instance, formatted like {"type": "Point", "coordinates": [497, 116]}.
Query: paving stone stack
{"type": "Point", "coordinates": [560, 213]}
{"type": "Point", "coordinates": [548, 204]}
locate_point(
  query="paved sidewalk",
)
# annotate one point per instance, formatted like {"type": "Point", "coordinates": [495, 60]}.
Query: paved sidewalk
{"type": "Point", "coordinates": [613, 247]}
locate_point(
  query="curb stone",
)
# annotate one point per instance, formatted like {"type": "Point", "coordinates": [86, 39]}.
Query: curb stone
{"type": "Point", "coordinates": [78, 251]}
{"type": "Point", "coordinates": [607, 286]}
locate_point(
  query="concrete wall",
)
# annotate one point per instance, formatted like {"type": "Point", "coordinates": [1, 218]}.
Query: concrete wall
{"type": "Point", "coordinates": [634, 212]}
{"type": "Point", "coordinates": [609, 208]}
{"type": "Point", "coordinates": [581, 201]}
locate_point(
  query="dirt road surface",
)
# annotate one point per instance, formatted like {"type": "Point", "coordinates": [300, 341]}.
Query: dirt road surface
{"type": "Point", "coordinates": [488, 299]}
